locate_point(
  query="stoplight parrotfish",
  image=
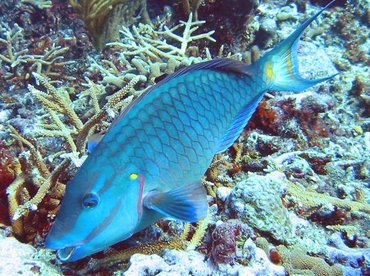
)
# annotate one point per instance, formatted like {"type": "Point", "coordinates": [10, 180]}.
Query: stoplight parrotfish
{"type": "Point", "coordinates": [149, 164]}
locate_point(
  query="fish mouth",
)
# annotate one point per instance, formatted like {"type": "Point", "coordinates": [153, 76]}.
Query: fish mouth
{"type": "Point", "coordinates": [64, 254]}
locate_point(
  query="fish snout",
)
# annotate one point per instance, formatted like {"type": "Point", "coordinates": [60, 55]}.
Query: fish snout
{"type": "Point", "coordinates": [65, 249]}
{"type": "Point", "coordinates": [65, 253]}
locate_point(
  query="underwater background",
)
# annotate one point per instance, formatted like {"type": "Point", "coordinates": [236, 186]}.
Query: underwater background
{"type": "Point", "coordinates": [290, 197]}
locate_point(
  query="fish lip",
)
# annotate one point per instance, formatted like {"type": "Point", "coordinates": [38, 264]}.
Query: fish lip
{"type": "Point", "coordinates": [64, 254]}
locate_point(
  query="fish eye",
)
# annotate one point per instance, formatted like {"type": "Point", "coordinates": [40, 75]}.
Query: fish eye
{"type": "Point", "coordinates": [90, 200]}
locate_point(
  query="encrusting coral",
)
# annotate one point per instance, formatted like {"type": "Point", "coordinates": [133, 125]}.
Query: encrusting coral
{"type": "Point", "coordinates": [263, 209]}
{"type": "Point", "coordinates": [313, 200]}
{"type": "Point", "coordinates": [296, 261]}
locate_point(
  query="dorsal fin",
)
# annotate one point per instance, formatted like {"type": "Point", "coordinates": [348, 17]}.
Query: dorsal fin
{"type": "Point", "coordinates": [223, 64]}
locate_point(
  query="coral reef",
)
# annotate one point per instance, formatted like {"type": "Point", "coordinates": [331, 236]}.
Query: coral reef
{"type": "Point", "coordinates": [297, 180]}
{"type": "Point", "coordinates": [20, 197]}
{"type": "Point", "coordinates": [63, 121]}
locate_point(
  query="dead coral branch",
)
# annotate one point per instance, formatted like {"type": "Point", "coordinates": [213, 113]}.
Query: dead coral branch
{"type": "Point", "coordinates": [37, 173]}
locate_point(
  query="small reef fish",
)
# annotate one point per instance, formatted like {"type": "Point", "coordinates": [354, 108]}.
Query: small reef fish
{"type": "Point", "coordinates": [149, 164]}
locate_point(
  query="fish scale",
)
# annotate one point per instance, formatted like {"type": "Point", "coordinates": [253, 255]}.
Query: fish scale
{"type": "Point", "coordinates": [150, 162]}
{"type": "Point", "coordinates": [170, 118]}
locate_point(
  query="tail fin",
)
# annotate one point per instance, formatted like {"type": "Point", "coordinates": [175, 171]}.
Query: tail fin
{"type": "Point", "coordinates": [281, 66]}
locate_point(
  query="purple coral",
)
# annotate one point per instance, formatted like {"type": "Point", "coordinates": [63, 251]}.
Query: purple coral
{"type": "Point", "coordinates": [224, 239]}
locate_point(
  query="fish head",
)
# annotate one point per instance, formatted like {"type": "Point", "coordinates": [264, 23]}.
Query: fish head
{"type": "Point", "coordinates": [98, 210]}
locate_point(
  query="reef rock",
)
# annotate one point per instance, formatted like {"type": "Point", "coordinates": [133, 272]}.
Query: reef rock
{"type": "Point", "coordinates": [257, 201]}
{"type": "Point", "coordinates": [17, 258]}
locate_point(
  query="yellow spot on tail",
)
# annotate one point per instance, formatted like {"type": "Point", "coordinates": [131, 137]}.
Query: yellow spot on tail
{"type": "Point", "coordinates": [290, 65]}
{"type": "Point", "coordinates": [270, 71]}
{"type": "Point", "coordinates": [134, 176]}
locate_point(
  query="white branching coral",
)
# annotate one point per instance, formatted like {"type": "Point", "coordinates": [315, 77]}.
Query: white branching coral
{"type": "Point", "coordinates": [150, 52]}
{"type": "Point", "coordinates": [18, 62]}
{"type": "Point", "coordinates": [12, 57]}
{"type": "Point", "coordinates": [155, 45]}
{"type": "Point", "coordinates": [72, 129]}
{"type": "Point", "coordinates": [38, 174]}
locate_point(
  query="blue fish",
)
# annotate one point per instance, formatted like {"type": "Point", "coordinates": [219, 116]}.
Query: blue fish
{"type": "Point", "coordinates": [149, 164]}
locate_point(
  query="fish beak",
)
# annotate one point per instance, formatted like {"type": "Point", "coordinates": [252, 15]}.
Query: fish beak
{"type": "Point", "coordinates": [65, 253]}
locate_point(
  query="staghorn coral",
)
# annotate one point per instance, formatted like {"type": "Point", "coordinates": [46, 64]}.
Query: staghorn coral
{"type": "Point", "coordinates": [12, 39]}
{"type": "Point", "coordinates": [30, 168]}
{"type": "Point", "coordinates": [145, 52]}
{"type": "Point", "coordinates": [18, 62]}
{"type": "Point", "coordinates": [154, 45]}
{"type": "Point", "coordinates": [57, 101]}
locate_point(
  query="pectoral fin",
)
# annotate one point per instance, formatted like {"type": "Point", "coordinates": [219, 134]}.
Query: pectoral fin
{"type": "Point", "coordinates": [187, 203]}
{"type": "Point", "coordinates": [93, 141]}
